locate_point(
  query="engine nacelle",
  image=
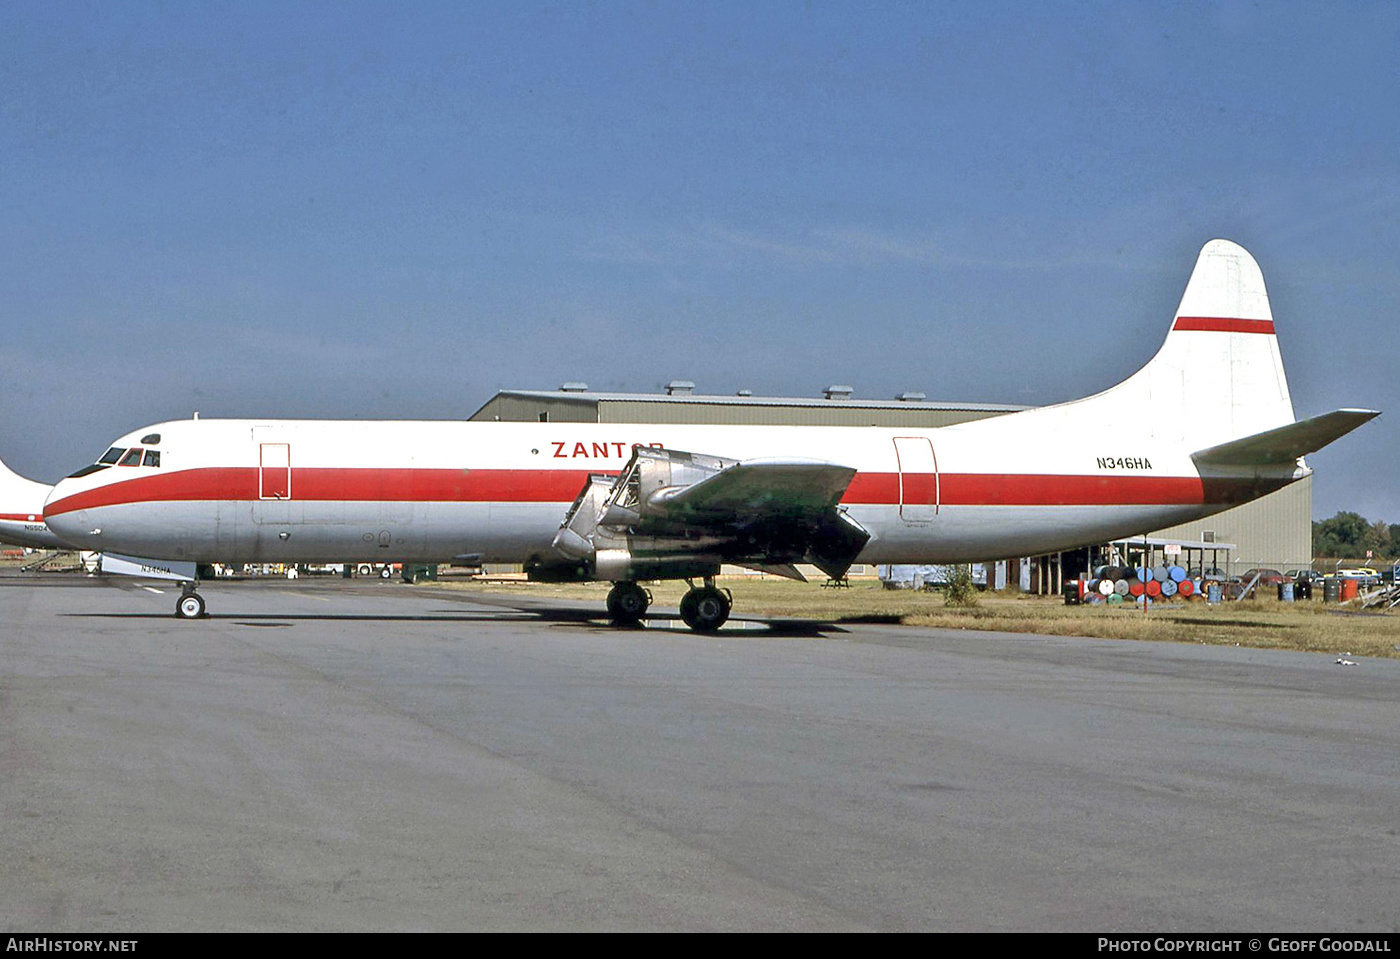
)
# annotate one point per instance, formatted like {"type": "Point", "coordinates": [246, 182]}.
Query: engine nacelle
{"type": "Point", "coordinates": [619, 565]}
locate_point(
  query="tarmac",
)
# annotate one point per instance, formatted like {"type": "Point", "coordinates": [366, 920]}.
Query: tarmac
{"type": "Point", "coordinates": [329, 755]}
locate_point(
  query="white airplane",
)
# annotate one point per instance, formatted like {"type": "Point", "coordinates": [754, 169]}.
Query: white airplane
{"type": "Point", "coordinates": [22, 512]}
{"type": "Point", "coordinates": [1206, 425]}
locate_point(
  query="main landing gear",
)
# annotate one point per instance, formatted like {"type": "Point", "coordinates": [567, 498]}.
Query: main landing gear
{"type": "Point", "coordinates": [627, 603]}
{"type": "Point", "coordinates": [706, 608]}
{"type": "Point", "coordinates": [190, 605]}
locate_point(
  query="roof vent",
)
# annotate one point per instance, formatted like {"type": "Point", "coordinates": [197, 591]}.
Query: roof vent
{"type": "Point", "coordinates": [573, 386]}
{"type": "Point", "coordinates": [680, 388]}
{"type": "Point", "coordinates": [744, 393]}
{"type": "Point", "coordinates": [911, 397]}
{"type": "Point", "coordinates": [838, 391]}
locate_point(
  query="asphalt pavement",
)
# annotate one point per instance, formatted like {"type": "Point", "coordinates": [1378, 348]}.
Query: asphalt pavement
{"type": "Point", "coordinates": [332, 755]}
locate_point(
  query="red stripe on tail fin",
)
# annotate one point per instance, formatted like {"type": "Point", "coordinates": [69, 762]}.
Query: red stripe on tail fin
{"type": "Point", "coordinates": [1220, 324]}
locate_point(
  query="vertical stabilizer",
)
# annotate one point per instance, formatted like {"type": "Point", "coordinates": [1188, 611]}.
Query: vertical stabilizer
{"type": "Point", "coordinates": [20, 495]}
{"type": "Point", "coordinates": [22, 511]}
{"type": "Point", "coordinates": [1218, 376]}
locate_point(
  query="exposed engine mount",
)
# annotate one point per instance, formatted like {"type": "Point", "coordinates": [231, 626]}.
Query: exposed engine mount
{"type": "Point", "coordinates": [678, 515]}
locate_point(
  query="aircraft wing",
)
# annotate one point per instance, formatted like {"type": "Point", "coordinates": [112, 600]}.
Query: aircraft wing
{"type": "Point", "coordinates": [697, 509]}
{"type": "Point", "coordinates": [756, 488]}
{"type": "Point", "coordinates": [1287, 443]}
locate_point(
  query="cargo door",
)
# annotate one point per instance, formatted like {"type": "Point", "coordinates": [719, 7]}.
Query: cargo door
{"type": "Point", "coordinates": [275, 505]}
{"type": "Point", "coordinates": [918, 479]}
{"type": "Point", "coordinates": [275, 471]}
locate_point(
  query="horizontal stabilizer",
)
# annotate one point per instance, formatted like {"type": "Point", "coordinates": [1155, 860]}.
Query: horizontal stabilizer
{"type": "Point", "coordinates": [177, 570]}
{"type": "Point", "coordinates": [1286, 443]}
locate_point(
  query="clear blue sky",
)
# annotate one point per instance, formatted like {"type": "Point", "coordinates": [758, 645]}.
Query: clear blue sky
{"type": "Point", "coordinates": [394, 209]}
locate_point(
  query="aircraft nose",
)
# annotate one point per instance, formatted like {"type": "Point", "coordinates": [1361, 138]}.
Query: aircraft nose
{"type": "Point", "coordinates": [67, 522]}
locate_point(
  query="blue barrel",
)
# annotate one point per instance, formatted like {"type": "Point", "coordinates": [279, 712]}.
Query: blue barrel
{"type": "Point", "coordinates": [1213, 593]}
{"type": "Point", "coordinates": [1285, 592]}
{"type": "Point", "coordinates": [1177, 573]}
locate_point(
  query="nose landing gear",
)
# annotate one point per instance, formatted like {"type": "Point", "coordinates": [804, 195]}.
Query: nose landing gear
{"type": "Point", "coordinates": [190, 605]}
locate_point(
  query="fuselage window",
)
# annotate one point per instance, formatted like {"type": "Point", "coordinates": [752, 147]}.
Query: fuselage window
{"type": "Point", "coordinates": [132, 457]}
{"type": "Point", "coordinates": [152, 458]}
{"type": "Point", "coordinates": [112, 455]}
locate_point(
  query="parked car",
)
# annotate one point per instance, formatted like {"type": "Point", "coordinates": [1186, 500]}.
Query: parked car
{"type": "Point", "coordinates": [1303, 575]}
{"type": "Point", "coordinates": [1267, 577]}
{"type": "Point", "coordinates": [1364, 574]}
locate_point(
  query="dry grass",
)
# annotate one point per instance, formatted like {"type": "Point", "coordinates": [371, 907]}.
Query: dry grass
{"type": "Point", "coordinates": [1266, 623]}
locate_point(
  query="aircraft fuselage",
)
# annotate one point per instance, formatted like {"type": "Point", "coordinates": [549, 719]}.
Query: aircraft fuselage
{"type": "Point", "coordinates": [328, 491]}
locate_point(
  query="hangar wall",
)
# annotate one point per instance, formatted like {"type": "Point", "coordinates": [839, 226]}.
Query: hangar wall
{"type": "Point", "coordinates": [526, 406]}
{"type": "Point", "coordinates": [1275, 531]}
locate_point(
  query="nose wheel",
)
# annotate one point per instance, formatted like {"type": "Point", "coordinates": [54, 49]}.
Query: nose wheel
{"type": "Point", "coordinates": [190, 605]}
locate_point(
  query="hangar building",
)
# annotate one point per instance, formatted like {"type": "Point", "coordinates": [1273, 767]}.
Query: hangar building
{"type": "Point", "coordinates": [1274, 532]}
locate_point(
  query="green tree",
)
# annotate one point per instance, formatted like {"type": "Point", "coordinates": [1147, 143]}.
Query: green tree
{"type": "Point", "coordinates": [1378, 539]}
{"type": "Point", "coordinates": [1342, 536]}
{"type": "Point", "coordinates": [961, 590]}
{"type": "Point", "coordinates": [1350, 535]}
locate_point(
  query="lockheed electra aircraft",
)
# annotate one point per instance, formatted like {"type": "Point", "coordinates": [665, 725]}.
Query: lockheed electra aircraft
{"type": "Point", "coordinates": [22, 512]}
{"type": "Point", "coordinates": [1206, 425]}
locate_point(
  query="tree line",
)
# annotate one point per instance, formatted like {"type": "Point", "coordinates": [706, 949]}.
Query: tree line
{"type": "Point", "coordinates": [1350, 535]}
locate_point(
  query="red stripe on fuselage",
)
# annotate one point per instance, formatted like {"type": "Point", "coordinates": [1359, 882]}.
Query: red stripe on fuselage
{"type": "Point", "coordinates": [1221, 324]}
{"type": "Point", "coordinates": [387, 485]}
{"type": "Point", "coordinates": [1018, 489]}
{"type": "Point", "coordinates": [562, 486]}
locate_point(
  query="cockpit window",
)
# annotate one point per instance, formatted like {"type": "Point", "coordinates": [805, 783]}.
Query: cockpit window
{"type": "Point", "coordinates": [151, 439]}
{"type": "Point", "coordinates": [121, 456]}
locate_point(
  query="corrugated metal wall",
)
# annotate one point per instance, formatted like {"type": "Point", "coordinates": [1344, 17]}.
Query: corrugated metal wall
{"type": "Point", "coordinates": [527, 409]}
{"type": "Point", "coordinates": [819, 413]}
{"type": "Point", "coordinates": [510, 407]}
{"type": "Point", "coordinates": [1274, 532]}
